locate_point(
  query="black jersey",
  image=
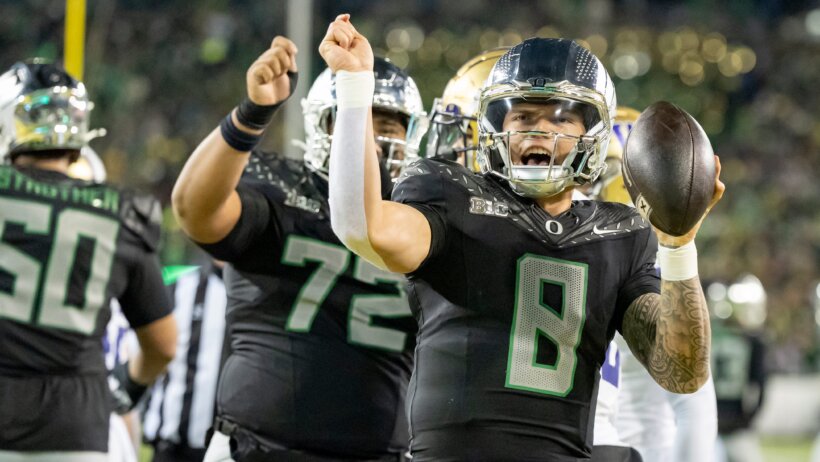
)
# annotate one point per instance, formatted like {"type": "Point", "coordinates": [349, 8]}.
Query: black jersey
{"type": "Point", "coordinates": [66, 248]}
{"type": "Point", "coordinates": [739, 373]}
{"type": "Point", "coordinates": [515, 311]}
{"type": "Point", "coordinates": [321, 340]}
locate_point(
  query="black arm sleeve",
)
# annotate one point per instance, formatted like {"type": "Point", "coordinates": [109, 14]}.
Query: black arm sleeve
{"type": "Point", "coordinates": [257, 219]}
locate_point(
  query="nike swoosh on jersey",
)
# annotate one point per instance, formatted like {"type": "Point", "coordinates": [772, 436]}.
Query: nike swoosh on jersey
{"type": "Point", "coordinates": [603, 232]}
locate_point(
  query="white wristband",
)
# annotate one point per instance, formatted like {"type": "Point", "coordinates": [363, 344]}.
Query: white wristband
{"type": "Point", "coordinates": [354, 89]}
{"type": "Point", "coordinates": [678, 264]}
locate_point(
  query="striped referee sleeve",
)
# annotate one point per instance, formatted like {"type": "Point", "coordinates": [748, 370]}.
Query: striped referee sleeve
{"type": "Point", "coordinates": [181, 405]}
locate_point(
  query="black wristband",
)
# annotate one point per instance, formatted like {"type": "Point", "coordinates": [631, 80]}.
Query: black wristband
{"type": "Point", "coordinates": [257, 116]}
{"type": "Point", "coordinates": [236, 138]}
{"type": "Point", "coordinates": [132, 389]}
{"type": "Point", "coordinates": [294, 79]}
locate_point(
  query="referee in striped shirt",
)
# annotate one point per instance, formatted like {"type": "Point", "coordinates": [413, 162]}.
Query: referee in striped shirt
{"type": "Point", "coordinates": [180, 408]}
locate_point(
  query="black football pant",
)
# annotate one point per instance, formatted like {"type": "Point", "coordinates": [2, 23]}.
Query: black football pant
{"type": "Point", "coordinates": [615, 454]}
{"type": "Point", "coordinates": [245, 447]}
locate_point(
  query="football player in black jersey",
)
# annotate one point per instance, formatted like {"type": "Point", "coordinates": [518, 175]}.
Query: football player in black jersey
{"type": "Point", "coordinates": [517, 288]}
{"type": "Point", "coordinates": [67, 247]}
{"type": "Point", "coordinates": [739, 365]}
{"type": "Point", "coordinates": [321, 340]}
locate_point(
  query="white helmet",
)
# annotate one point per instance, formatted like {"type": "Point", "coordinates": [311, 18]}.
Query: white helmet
{"type": "Point", "coordinates": [743, 301]}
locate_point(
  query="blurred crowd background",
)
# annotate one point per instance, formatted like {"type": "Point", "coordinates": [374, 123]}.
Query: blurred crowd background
{"type": "Point", "coordinates": [163, 73]}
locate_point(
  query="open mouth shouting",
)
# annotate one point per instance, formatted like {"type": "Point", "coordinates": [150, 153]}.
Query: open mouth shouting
{"type": "Point", "coordinates": [536, 159]}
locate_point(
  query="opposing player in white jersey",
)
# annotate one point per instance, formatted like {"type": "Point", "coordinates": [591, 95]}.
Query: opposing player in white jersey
{"type": "Point", "coordinates": [608, 444]}
{"type": "Point", "coordinates": [662, 426]}
{"type": "Point", "coordinates": [123, 429]}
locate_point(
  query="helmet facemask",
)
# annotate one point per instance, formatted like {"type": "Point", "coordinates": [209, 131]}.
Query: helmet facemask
{"type": "Point", "coordinates": [319, 109]}
{"type": "Point", "coordinates": [543, 175]}
{"type": "Point", "coordinates": [452, 136]}
{"type": "Point", "coordinates": [540, 163]}
{"type": "Point", "coordinates": [390, 128]}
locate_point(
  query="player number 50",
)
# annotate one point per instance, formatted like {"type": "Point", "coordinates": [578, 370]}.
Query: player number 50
{"type": "Point", "coordinates": [35, 284]}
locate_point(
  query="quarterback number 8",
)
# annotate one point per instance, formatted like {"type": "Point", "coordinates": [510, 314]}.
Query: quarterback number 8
{"type": "Point", "coordinates": [535, 321]}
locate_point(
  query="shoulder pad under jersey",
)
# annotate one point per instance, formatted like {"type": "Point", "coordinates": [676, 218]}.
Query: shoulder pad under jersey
{"type": "Point", "coordinates": [447, 170]}
{"type": "Point", "coordinates": [141, 214]}
{"type": "Point", "coordinates": [300, 187]}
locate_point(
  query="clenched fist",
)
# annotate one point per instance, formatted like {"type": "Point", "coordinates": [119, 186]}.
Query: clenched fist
{"type": "Point", "coordinates": [344, 48]}
{"type": "Point", "coordinates": [267, 78]}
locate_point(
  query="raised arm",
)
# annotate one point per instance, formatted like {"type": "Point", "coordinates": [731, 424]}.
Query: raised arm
{"type": "Point", "coordinates": [204, 199]}
{"type": "Point", "coordinates": [388, 234]}
{"type": "Point", "coordinates": [669, 333]}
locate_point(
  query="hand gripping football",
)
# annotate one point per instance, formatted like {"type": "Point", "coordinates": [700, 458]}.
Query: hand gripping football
{"type": "Point", "coordinates": [669, 168]}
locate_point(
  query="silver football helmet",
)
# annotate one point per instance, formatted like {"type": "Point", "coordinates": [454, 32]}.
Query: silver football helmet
{"type": "Point", "coordinates": [42, 108]}
{"type": "Point", "coordinates": [748, 298]}
{"type": "Point", "coordinates": [395, 92]}
{"type": "Point", "coordinates": [557, 71]}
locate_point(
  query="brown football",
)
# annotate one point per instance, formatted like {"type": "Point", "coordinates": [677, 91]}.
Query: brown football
{"type": "Point", "coordinates": [669, 168]}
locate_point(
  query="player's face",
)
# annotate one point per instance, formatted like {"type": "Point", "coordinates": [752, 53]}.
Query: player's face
{"type": "Point", "coordinates": [549, 118]}
{"type": "Point", "coordinates": [388, 126]}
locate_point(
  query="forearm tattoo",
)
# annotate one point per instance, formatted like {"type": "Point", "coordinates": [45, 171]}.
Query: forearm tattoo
{"type": "Point", "coordinates": [669, 333]}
